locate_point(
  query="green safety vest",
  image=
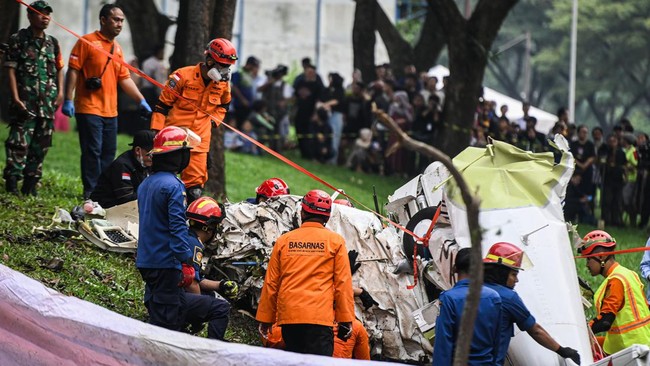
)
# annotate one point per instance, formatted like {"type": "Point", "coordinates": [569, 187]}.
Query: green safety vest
{"type": "Point", "coordinates": [632, 322]}
{"type": "Point", "coordinates": [633, 162]}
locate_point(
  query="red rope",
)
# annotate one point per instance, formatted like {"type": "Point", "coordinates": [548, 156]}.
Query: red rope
{"type": "Point", "coordinates": [258, 144]}
{"type": "Point", "coordinates": [622, 251]}
{"type": "Point", "coordinates": [425, 242]}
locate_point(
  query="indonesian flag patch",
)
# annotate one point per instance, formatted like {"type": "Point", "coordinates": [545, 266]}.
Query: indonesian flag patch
{"type": "Point", "coordinates": [174, 78]}
{"type": "Point", "coordinates": [126, 176]}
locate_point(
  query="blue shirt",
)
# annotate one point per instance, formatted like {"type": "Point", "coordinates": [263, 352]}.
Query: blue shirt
{"type": "Point", "coordinates": [485, 342]}
{"type": "Point", "coordinates": [645, 268]}
{"type": "Point", "coordinates": [164, 236]}
{"type": "Point", "coordinates": [513, 310]}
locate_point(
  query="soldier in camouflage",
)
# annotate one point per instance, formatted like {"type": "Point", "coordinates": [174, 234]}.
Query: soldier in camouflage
{"type": "Point", "coordinates": [35, 66]}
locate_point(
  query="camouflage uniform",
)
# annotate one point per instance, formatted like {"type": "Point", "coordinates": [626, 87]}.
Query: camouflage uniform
{"type": "Point", "coordinates": [36, 61]}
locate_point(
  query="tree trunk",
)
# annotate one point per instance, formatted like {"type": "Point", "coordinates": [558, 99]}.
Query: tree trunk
{"type": "Point", "coordinates": [468, 43]}
{"type": "Point", "coordinates": [9, 19]}
{"type": "Point", "coordinates": [193, 33]}
{"type": "Point", "coordinates": [363, 38]}
{"type": "Point", "coordinates": [148, 26]}
{"type": "Point", "coordinates": [222, 25]}
{"type": "Point", "coordinates": [431, 42]}
{"type": "Point", "coordinates": [399, 50]}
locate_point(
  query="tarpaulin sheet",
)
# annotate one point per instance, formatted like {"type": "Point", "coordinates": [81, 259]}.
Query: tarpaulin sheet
{"type": "Point", "coordinates": [39, 326]}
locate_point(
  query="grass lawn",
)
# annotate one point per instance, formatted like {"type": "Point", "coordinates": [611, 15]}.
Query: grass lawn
{"type": "Point", "coordinates": [111, 280]}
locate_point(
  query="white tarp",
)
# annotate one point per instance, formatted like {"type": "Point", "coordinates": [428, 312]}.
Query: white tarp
{"type": "Point", "coordinates": [39, 326]}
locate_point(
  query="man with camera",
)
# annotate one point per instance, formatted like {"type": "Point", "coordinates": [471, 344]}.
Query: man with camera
{"type": "Point", "coordinates": [34, 65]}
{"type": "Point", "coordinates": [95, 77]}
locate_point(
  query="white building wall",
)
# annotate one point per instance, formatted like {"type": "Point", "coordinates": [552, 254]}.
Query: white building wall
{"type": "Point", "coordinates": [275, 31]}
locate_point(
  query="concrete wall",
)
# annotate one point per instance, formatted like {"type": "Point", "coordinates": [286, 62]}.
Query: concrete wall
{"type": "Point", "coordinates": [275, 31]}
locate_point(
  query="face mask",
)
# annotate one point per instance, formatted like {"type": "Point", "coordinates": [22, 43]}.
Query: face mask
{"type": "Point", "coordinates": [219, 74]}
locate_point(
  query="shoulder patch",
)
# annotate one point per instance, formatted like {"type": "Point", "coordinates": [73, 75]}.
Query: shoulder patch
{"type": "Point", "coordinates": [126, 176]}
{"type": "Point", "coordinates": [174, 79]}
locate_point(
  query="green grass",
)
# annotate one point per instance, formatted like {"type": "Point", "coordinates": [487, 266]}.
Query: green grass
{"type": "Point", "coordinates": [109, 279]}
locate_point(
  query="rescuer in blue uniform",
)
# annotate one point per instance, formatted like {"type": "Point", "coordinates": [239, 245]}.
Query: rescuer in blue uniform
{"type": "Point", "coordinates": [502, 265]}
{"type": "Point", "coordinates": [485, 342]}
{"type": "Point", "coordinates": [164, 256]}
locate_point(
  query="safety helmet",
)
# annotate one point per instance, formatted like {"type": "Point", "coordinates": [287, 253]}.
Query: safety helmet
{"type": "Point", "coordinates": [508, 255]}
{"type": "Point", "coordinates": [317, 202]}
{"type": "Point", "coordinates": [272, 187]}
{"type": "Point", "coordinates": [172, 138]}
{"type": "Point", "coordinates": [207, 211]}
{"type": "Point", "coordinates": [595, 239]}
{"type": "Point", "coordinates": [222, 51]}
{"type": "Point", "coordinates": [344, 202]}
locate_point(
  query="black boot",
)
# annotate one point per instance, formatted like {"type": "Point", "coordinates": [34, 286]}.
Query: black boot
{"type": "Point", "coordinates": [193, 193]}
{"type": "Point", "coordinates": [29, 186]}
{"type": "Point", "coordinates": [11, 184]}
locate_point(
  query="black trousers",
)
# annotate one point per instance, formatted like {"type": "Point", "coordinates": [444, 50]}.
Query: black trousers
{"type": "Point", "coordinates": [308, 338]}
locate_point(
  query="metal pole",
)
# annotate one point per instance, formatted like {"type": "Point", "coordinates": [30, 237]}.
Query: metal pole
{"type": "Point", "coordinates": [468, 9]}
{"type": "Point", "coordinates": [85, 23]}
{"type": "Point", "coordinates": [319, 4]}
{"type": "Point", "coordinates": [527, 68]}
{"type": "Point", "coordinates": [572, 71]}
{"type": "Point", "coordinates": [240, 36]}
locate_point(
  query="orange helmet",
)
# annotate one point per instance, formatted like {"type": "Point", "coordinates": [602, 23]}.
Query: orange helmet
{"type": "Point", "coordinates": [272, 187]}
{"type": "Point", "coordinates": [344, 202]}
{"type": "Point", "coordinates": [207, 211]}
{"type": "Point", "coordinates": [508, 255]}
{"type": "Point", "coordinates": [222, 51]}
{"type": "Point", "coordinates": [317, 202]}
{"type": "Point", "coordinates": [595, 239]}
{"type": "Point", "coordinates": [169, 139]}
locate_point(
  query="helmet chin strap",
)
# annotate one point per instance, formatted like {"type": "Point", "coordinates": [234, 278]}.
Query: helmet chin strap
{"type": "Point", "coordinates": [602, 265]}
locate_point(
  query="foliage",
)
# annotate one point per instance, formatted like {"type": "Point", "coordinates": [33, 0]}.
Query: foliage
{"type": "Point", "coordinates": [75, 267]}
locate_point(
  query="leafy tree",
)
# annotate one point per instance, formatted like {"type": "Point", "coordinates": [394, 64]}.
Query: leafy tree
{"type": "Point", "coordinates": [613, 66]}
{"type": "Point", "coordinates": [148, 25]}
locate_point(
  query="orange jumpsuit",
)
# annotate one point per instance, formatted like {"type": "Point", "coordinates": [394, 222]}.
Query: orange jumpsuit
{"type": "Point", "coordinates": [193, 111]}
{"type": "Point", "coordinates": [308, 271]}
{"type": "Point", "coordinates": [357, 347]}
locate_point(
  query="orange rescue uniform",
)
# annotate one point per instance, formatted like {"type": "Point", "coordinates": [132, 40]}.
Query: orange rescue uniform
{"type": "Point", "coordinates": [308, 271]}
{"type": "Point", "coordinates": [194, 110]}
{"type": "Point", "coordinates": [90, 63]}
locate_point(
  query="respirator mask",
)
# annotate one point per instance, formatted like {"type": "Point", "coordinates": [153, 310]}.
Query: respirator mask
{"type": "Point", "coordinates": [219, 73]}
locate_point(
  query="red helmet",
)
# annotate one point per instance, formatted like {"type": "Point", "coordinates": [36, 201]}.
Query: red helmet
{"type": "Point", "coordinates": [169, 139]}
{"type": "Point", "coordinates": [344, 202]}
{"type": "Point", "coordinates": [508, 255]}
{"type": "Point", "coordinates": [272, 187]}
{"type": "Point", "coordinates": [595, 239]}
{"type": "Point", "coordinates": [222, 51]}
{"type": "Point", "coordinates": [206, 210]}
{"type": "Point", "coordinates": [317, 202]}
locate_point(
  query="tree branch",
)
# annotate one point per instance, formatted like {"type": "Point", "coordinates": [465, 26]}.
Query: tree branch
{"type": "Point", "coordinates": [466, 328]}
{"type": "Point", "coordinates": [399, 50]}
{"type": "Point", "coordinates": [431, 42]}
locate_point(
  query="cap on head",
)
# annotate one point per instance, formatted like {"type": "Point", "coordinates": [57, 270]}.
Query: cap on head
{"type": "Point", "coordinates": [222, 51]}
{"type": "Point", "coordinates": [317, 202]}
{"type": "Point", "coordinates": [508, 255]}
{"type": "Point", "coordinates": [595, 239]}
{"type": "Point", "coordinates": [207, 211]}
{"type": "Point", "coordinates": [272, 187]}
{"type": "Point", "coordinates": [143, 139]}
{"type": "Point", "coordinates": [170, 138]}
{"type": "Point", "coordinates": [40, 6]}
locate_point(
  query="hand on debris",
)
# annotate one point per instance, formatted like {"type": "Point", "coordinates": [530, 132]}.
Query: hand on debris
{"type": "Point", "coordinates": [567, 352]}
{"type": "Point", "coordinates": [352, 256]}
{"type": "Point", "coordinates": [366, 299]}
{"type": "Point", "coordinates": [188, 275]}
{"type": "Point", "coordinates": [265, 329]}
{"type": "Point", "coordinates": [229, 289]}
{"type": "Point", "coordinates": [345, 331]}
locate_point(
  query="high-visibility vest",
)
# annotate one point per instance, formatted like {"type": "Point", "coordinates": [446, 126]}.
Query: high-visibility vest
{"type": "Point", "coordinates": [632, 322]}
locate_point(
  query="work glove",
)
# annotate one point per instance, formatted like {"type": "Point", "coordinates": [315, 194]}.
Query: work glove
{"type": "Point", "coordinates": [229, 289]}
{"type": "Point", "coordinates": [567, 352]}
{"type": "Point", "coordinates": [345, 331]}
{"type": "Point", "coordinates": [188, 275]}
{"type": "Point", "coordinates": [352, 256]}
{"type": "Point", "coordinates": [366, 299]}
{"type": "Point", "coordinates": [144, 106]}
{"type": "Point", "coordinates": [68, 108]}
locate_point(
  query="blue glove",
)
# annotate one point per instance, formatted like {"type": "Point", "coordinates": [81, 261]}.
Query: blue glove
{"type": "Point", "coordinates": [68, 108]}
{"type": "Point", "coordinates": [145, 106]}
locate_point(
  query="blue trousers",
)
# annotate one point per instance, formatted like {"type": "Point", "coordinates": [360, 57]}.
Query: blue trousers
{"type": "Point", "coordinates": [170, 307]}
{"type": "Point", "coordinates": [98, 141]}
